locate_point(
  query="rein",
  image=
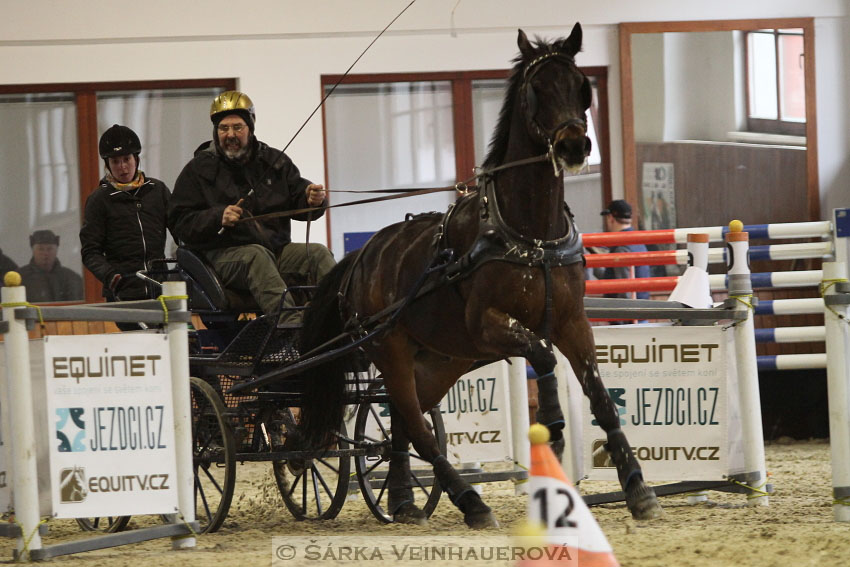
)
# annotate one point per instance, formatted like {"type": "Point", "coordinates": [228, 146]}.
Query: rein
{"type": "Point", "coordinates": [405, 192]}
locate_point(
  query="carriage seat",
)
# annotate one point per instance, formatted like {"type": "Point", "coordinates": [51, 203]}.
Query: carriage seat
{"type": "Point", "coordinates": [204, 287]}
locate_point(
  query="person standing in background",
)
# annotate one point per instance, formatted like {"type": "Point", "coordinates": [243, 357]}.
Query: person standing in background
{"type": "Point", "coordinates": [618, 217]}
{"type": "Point", "coordinates": [124, 221]}
{"type": "Point", "coordinates": [45, 278]}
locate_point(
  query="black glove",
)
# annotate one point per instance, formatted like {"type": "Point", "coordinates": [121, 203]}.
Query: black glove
{"type": "Point", "coordinates": [114, 284]}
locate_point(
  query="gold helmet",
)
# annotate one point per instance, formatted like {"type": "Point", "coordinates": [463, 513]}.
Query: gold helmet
{"type": "Point", "coordinates": [232, 102]}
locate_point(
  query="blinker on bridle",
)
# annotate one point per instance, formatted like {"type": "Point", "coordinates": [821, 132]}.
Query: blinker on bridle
{"type": "Point", "coordinates": [529, 103]}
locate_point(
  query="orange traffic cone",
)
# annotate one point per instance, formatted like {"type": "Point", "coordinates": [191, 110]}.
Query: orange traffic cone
{"type": "Point", "coordinates": [570, 533]}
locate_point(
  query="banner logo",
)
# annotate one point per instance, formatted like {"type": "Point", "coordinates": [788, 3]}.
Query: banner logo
{"type": "Point", "coordinates": [72, 485]}
{"type": "Point", "coordinates": [70, 429]}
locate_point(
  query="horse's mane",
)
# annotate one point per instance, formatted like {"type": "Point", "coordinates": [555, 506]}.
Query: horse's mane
{"type": "Point", "coordinates": [499, 141]}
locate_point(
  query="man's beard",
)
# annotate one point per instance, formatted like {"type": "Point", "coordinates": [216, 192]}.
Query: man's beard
{"type": "Point", "coordinates": [235, 152]}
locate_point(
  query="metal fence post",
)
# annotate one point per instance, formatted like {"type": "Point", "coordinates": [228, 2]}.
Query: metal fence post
{"type": "Point", "coordinates": [178, 342]}
{"type": "Point", "coordinates": [25, 479]}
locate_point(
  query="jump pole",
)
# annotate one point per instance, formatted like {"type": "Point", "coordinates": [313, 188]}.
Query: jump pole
{"type": "Point", "coordinates": [174, 295]}
{"type": "Point", "coordinates": [740, 288]}
{"type": "Point", "coordinates": [25, 477]}
{"type": "Point", "coordinates": [837, 371]}
{"type": "Point", "coordinates": [518, 388]}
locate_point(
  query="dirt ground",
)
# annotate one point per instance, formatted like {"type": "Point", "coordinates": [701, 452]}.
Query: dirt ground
{"type": "Point", "coordinates": [796, 529]}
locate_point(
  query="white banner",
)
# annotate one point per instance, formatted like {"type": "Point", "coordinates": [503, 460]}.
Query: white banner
{"type": "Point", "coordinates": [111, 422]}
{"type": "Point", "coordinates": [670, 388]}
{"type": "Point", "coordinates": [477, 417]}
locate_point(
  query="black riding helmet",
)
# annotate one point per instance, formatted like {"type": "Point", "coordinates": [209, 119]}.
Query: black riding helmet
{"type": "Point", "coordinates": [119, 141]}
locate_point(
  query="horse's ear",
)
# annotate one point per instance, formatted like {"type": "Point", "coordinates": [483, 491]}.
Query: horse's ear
{"type": "Point", "coordinates": [573, 43]}
{"type": "Point", "coordinates": [524, 45]}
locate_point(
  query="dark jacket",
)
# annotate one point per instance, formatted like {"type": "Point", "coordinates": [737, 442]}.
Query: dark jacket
{"type": "Point", "coordinates": [59, 284]}
{"type": "Point", "coordinates": [611, 273]}
{"type": "Point", "coordinates": [6, 264]}
{"type": "Point", "coordinates": [209, 183]}
{"type": "Point", "coordinates": [122, 232]}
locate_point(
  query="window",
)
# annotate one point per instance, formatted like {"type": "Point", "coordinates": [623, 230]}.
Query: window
{"type": "Point", "coordinates": [776, 97]}
{"type": "Point", "coordinates": [419, 131]}
{"type": "Point", "coordinates": [50, 160]}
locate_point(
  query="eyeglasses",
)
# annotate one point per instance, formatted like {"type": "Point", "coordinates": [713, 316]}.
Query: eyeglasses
{"type": "Point", "coordinates": [237, 128]}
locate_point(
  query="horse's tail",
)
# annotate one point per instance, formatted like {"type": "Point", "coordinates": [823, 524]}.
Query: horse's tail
{"type": "Point", "coordinates": [323, 402]}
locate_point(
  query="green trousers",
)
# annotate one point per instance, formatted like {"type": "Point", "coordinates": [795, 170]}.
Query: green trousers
{"type": "Point", "coordinates": [255, 269]}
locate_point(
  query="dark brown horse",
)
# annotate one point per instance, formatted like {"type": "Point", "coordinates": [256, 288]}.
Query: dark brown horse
{"type": "Point", "coordinates": [503, 277]}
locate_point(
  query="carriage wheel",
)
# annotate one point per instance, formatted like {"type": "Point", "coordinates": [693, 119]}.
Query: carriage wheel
{"type": "Point", "coordinates": [372, 476]}
{"type": "Point", "coordinates": [312, 489]}
{"type": "Point", "coordinates": [109, 524]}
{"type": "Point", "coordinates": [213, 457]}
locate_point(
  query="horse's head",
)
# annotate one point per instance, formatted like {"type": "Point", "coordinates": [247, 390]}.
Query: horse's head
{"type": "Point", "coordinates": [554, 96]}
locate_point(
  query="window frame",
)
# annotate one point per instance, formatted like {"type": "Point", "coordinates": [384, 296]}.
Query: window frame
{"type": "Point", "coordinates": [770, 125]}
{"type": "Point", "coordinates": [85, 100]}
{"type": "Point", "coordinates": [462, 114]}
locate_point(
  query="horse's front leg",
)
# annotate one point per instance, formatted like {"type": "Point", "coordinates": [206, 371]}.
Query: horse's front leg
{"type": "Point", "coordinates": [575, 339]}
{"type": "Point", "coordinates": [497, 331]}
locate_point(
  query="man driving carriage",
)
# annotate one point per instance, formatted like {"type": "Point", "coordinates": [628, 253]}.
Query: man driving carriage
{"type": "Point", "coordinates": [235, 176]}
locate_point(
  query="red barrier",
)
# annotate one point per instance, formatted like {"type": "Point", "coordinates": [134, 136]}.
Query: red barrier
{"type": "Point", "coordinates": [664, 236]}
{"type": "Point", "coordinates": [594, 287]}
{"type": "Point", "coordinates": [653, 258]}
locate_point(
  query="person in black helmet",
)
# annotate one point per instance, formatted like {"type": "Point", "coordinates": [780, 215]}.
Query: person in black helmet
{"type": "Point", "coordinates": [124, 221]}
{"type": "Point", "coordinates": [234, 176]}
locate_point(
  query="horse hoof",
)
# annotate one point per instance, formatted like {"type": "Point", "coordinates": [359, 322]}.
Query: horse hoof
{"type": "Point", "coordinates": [481, 521]}
{"type": "Point", "coordinates": [558, 448]}
{"type": "Point", "coordinates": [642, 502]}
{"type": "Point", "coordinates": [408, 513]}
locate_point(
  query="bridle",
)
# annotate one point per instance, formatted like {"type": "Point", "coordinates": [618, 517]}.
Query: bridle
{"type": "Point", "coordinates": [528, 102]}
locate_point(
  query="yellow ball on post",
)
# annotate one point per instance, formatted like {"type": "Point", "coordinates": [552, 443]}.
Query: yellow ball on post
{"type": "Point", "coordinates": [736, 226]}
{"type": "Point", "coordinates": [12, 279]}
{"type": "Point", "coordinates": [538, 434]}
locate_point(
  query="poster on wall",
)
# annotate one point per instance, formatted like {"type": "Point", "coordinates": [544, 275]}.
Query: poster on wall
{"type": "Point", "coordinates": [659, 196]}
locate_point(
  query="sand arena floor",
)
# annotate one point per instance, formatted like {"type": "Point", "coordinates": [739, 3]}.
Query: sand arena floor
{"type": "Point", "coordinates": [795, 530]}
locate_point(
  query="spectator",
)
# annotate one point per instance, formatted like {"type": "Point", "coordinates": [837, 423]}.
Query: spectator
{"type": "Point", "coordinates": [235, 176]}
{"type": "Point", "coordinates": [618, 217]}
{"type": "Point", "coordinates": [45, 278]}
{"type": "Point", "coordinates": [6, 265]}
{"type": "Point", "coordinates": [124, 221]}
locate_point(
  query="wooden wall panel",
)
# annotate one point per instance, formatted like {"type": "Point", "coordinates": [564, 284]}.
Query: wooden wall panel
{"type": "Point", "coordinates": [718, 182]}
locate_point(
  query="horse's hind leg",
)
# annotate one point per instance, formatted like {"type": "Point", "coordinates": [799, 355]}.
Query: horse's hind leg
{"type": "Point", "coordinates": [400, 500]}
{"type": "Point", "coordinates": [580, 351]}
{"type": "Point", "coordinates": [400, 381]}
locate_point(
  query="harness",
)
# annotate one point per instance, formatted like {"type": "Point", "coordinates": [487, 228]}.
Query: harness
{"type": "Point", "coordinates": [497, 241]}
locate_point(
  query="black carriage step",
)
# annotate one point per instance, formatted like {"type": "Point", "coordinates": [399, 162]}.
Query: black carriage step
{"type": "Point", "coordinates": [672, 490]}
{"type": "Point", "coordinates": [426, 477]}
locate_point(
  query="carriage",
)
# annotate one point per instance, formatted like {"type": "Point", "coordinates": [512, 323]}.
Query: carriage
{"type": "Point", "coordinates": [240, 346]}
{"type": "Point", "coordinates": [499, 275]}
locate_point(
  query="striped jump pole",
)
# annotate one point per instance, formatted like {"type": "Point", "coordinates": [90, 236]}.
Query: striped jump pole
{"type": "Point", "coordinates": [717, 255]}
{"type": "Point", "coordinates": [818, 229]}
{"type": "Point", "coordinates": [717, 282]}
{"type": "Point", "coordinates": [740, 288]}
{"type": "Point", "coordinates": [836, 293]}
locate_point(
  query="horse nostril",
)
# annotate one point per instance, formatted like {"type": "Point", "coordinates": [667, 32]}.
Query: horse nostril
{"type": "Point", "coordinates": [570, 132]}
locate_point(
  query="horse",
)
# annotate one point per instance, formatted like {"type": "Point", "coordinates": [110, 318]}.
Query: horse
{"type": "Point", "coordinates": [500, 274]}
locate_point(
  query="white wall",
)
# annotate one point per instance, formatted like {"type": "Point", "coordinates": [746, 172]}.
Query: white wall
{"type": "Point", "coordinates": [279, 48]}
